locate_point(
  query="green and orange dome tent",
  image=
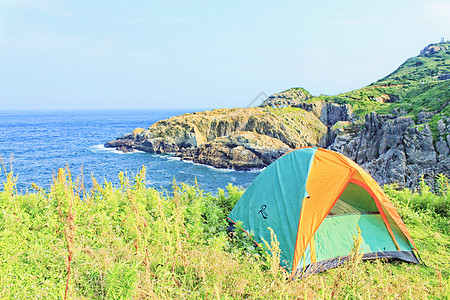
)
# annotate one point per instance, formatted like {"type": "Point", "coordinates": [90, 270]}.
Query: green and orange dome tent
{"type": "Point", "coordinates": [314, 200]}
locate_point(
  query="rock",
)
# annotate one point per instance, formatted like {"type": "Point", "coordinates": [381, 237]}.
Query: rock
{"type": "Point", "coordinates": [441, 127]}
{"type": "Point", "coordinates": [329, 113]}
{"type": "Point", "coordinates": [332, 113]}
{"type": "Point", "coordinates": [221, 156]}
{"type": "Point", "coordinates": [291, 97]}
{"type": "Point", "coordinates": [210, 137]}
{"type": "Point", "coordinates": [125, 149]}
{"type": "Point", "coordinates": [430, 49]}
{"type": "Point", "coordinates": [419, 148]}
{"type": "Point", "coordinates": [395, 150]}
{"type": "Point", "coordinates": [386, 98]}
{"type": "Point", "coordinates": [424, 117]}
{"type": "Point", "coordinates": [267, 148]}
{"type": "Point", "coordinates": [121, 144]}
{"type": "Point", "coordinates": [442, 148]}
{"type": "Point", "coordinates": [340, 134]}
{"type": "Point", "coordinates": [241, 151]}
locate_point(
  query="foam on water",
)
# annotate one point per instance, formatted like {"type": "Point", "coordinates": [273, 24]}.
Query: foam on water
{"type": "Point", "coordinates": [101, 148]}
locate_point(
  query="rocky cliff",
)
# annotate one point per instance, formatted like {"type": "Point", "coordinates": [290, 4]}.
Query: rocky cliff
{"type": "Point", "coordinates": [408, 138]}
{"type": "Point", "coordinates": [328, 112]}
{"type": "Point", "coordinates": [396, 149]}
{"type": "Point", "coordinates": [291, 97]}
{"type": "Point", "coordinates": [241, 138]}
{"type": "Point", "coordinates": [392, 148]}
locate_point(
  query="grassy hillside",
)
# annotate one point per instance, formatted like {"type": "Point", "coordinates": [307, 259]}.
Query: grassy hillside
{"type": "Point", "coordinates": [434, 60]}
{"type": "Point", "coordinates": [412, 88]}
{"type": "Point", "coordinates": [133, 242]}
{"type": "Point", "coordinates": [414, 76]}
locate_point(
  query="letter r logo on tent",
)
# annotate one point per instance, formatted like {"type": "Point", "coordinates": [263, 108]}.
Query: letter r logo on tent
{"type": "Point", "coordinates": [262, 211]}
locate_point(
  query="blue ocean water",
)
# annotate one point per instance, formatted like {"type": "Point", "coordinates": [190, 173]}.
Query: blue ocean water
{"type": "Point", "coordinates": [39, 143]}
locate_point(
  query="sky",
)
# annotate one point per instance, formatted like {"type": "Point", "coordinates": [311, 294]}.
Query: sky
{"type": "Point", "coordinates": [109, 54]}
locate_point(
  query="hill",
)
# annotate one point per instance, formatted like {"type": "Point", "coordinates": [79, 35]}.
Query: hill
{"type": "Point", "coordinates": [397, 128]}
{"type": "Point", "coordinates": [239, 138]}
{"type": "Point", "coordinates": [432, 62]}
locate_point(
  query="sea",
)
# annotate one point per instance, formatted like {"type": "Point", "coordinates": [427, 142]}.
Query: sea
{"type": "Point", "coordinates": [35, 144]}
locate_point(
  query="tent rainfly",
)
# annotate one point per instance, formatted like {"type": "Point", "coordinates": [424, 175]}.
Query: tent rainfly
{"type": "Point", "coordinates": [314, 199]}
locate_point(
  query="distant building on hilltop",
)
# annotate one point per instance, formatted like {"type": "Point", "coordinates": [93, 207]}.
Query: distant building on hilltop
{"type": "Point", "coordinates": [442, 40]}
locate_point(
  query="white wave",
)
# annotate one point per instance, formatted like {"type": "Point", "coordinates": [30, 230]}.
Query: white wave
{"type": "Point", "coordinates": [101, 148]}
{"type": "Point", "coordinates": [171, 157]}
{"type": "Point", "coordinates": [210, 167]}
{"type": "Point", "coordinates": [219, 169]}
{"type": "Point", "coordinates": [231, 170]}
{"type": "Point", "coordinates": [256, 170]}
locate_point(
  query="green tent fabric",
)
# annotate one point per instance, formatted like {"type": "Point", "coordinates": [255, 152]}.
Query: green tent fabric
{"type": "Point", "coordinates": [276, 193]}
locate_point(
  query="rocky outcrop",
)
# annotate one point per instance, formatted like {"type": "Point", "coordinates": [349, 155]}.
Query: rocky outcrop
{"type": "Point", "coordinates": [242, 150]}
{"type": "Point", "coordinates": [433, 48]}
{"type": "Point", "coordinates": [241, 138]}
{"type": "Point", "coordinates": [291, 97]}
{"type": "Point", "coordinates": [327, 112]}
{"type": "Point", "coordinates": [386, 98]}
{"type": "Point", "coordinates": [397, 150]}
{"type": "Point", "coordinates": [392, 148]}
{"type": "Point", "coordinates": [340, 134]}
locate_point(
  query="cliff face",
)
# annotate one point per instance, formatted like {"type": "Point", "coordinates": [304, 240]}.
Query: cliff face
{"type": "Point", "coordinates": [329, 113]}
{"type": "Point", "coordinates": [241, 138]}
{"type": "Point", "coordinates": [397, 149]}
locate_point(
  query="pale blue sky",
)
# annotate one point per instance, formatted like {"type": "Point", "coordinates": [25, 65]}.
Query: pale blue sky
{"type": "Point", "coordinates": [98, 54]}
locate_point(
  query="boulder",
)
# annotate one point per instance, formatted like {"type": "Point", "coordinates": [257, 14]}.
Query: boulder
{"type": "Point", "coordinates": [240, 151]}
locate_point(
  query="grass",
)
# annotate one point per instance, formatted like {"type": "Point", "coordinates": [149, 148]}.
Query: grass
{"type": "Point", "coordinates": [133, 242]}
{"type": "Point", "coordinates": [413, 87]}
{"type": "Point", "coordinates": [433, 97]}
{"type": "Point", "coordinates": [422, 68]}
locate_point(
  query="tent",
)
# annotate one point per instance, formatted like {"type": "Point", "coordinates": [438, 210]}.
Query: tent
{"type": "Point", "coordinates": [314, 199]}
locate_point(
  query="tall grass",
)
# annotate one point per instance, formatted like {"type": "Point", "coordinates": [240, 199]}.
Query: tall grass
{"type": "Point", "coordinates": [134, 242]}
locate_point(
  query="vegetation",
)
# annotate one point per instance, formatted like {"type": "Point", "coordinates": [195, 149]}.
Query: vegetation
{"type": "Point", "coordinates": [360, 107]}
{"type": "Point", "coordinates": [423, 68]}
{"type": "Point", "coordinates": [433, 97]}
{"type": "Point", "coordinates": [132, 242]}
{"type": "Point", "coordinates": [412, 88]}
